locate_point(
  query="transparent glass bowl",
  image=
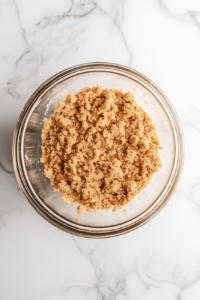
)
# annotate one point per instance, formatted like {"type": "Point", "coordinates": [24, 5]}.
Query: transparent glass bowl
{"type": "Point", "coordinates": [27, 150]}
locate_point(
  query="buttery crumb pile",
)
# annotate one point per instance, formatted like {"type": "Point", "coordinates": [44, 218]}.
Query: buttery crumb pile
{"type": "Point", "coordinates": [100, 148]}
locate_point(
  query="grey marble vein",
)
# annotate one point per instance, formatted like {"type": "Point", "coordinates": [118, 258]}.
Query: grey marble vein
{"type": "Point", "coordinates": [160, 260]}
{"type": "Point", "coordinates": [35, 56]}
{"type": "Point", "coordinates": [191, 16]}
{"type": "Point", "coordinates": [4, 214]}
{"type": "Point", "coordinates": [5, 169]}
{"type": "Point", "coordinates": [23, 32]}
{"type": "Point", "coordinates": [151, 269]}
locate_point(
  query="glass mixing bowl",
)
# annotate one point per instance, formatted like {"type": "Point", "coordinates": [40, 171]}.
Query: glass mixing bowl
{"type": "Point", "coordinates": [27, 150]}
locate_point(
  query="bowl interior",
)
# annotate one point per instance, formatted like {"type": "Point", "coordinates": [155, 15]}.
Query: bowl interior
{"type": "Point", "coordinates": [31, 147]}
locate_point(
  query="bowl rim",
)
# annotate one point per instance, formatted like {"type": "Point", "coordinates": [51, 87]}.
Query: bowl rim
{"type": "Point", "coordinates": [43, 209]}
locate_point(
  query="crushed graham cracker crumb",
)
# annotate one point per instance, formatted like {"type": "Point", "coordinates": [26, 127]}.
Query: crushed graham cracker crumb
{"type": "Point", "coordinates": [100, 147]}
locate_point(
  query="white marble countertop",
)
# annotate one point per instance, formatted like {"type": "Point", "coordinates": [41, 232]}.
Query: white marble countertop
{"type": "Point", "coordinates": [161, 39]}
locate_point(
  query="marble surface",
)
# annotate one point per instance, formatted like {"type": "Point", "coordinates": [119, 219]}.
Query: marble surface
{"type": "Point", "coordinates": [161, 39]}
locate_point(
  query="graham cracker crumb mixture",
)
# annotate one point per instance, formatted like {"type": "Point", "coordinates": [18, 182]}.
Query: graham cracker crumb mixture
{"type": "Point", "coordinates": [100, 147]}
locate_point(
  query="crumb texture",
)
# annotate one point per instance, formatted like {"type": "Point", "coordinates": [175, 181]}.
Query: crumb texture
{"type": "Point", "coordinates": [100, 147]}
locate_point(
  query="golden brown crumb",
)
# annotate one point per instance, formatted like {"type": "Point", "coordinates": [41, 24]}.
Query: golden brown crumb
{"type": "Point", "coordinates": [80, 209]}
{"type": "Point", "coordinates": [100, 147]}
